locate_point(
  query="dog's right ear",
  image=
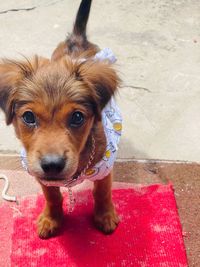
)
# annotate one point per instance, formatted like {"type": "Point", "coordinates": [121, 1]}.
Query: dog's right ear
{"type": "Point", "coordinates": [12, 73]}
{"type": "Point", "coordinates": [101, 77]}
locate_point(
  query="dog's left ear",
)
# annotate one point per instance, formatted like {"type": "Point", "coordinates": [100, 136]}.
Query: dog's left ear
{"type": "Point", "coordinates": [102, 78]}
{"type": "Point", "coordinates": [12, 73]}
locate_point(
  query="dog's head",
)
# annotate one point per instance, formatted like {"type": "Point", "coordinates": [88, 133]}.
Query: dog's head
{"type": "Point", "coordinates": [54, 106]}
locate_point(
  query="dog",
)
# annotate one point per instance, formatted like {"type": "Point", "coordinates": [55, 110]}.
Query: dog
{"type": "Point", "coordinates": [57, 107]}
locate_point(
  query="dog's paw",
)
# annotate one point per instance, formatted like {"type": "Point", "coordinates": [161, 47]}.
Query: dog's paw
{"type": "Point", "coordinates": [106, 222]}
{"type": "Point", "coordinates": [48, 226]}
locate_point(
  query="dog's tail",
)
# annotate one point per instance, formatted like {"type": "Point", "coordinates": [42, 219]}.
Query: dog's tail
{"type": "Point", "coordinates": [82, 16]}
{"type": "Point", "coordinates": [77, 42]}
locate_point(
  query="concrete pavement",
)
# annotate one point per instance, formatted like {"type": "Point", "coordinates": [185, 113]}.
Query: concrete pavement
{"type": "Point", "coordinates": [157, 44]}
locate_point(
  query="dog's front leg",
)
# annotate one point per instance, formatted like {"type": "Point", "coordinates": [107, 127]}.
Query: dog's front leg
{"type": "Point", "coordinates": [105, 216]}
{"type": "Point", "coordinates": [51, 218]}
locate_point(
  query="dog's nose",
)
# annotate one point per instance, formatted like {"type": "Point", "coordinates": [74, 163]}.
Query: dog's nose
{"type": "Point", "coordinates": [52, 164]}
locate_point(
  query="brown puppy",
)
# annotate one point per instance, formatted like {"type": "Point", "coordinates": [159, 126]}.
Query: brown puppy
{"type": "Point", "coordinates": [55, 106]}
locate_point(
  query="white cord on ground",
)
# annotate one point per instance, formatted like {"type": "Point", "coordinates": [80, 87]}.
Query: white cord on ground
{"type": "Point", "coordinates": [5, 189]}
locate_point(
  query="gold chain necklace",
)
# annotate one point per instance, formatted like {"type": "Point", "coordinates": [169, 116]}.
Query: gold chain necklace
{"type": "Point", "coordinates": [72, 200]}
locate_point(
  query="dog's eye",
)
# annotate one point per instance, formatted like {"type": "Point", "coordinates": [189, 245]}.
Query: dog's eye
{"type": "Point", "coordinates": [29, 118]}
{"type": "Point", "coordinates": [77, 119]}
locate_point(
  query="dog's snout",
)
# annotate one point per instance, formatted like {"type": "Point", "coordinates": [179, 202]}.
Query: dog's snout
{"type": "Point", "coordinates": [52, 164]}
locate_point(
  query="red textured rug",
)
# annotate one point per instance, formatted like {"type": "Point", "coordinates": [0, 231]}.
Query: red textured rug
{"type": "Point", "coordinates": [149, 233]}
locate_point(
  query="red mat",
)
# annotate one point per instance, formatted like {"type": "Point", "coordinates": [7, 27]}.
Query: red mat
{"type": "Point", "coordinates": [149, 233]}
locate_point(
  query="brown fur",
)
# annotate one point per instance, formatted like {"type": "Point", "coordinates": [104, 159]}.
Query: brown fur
{"type": "Point", "coordinates": [53, 90]}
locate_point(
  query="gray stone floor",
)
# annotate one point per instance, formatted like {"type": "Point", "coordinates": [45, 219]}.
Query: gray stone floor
{"type": "Point", "coordinates": [157, 44]}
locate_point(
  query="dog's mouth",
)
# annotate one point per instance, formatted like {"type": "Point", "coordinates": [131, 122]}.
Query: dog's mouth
{"type": "Point", "coordinates": [53, 178]}
{"type": "Point", "coordinates": [53, 182]}
{"type": "Point", "coordinates": [58, 181]}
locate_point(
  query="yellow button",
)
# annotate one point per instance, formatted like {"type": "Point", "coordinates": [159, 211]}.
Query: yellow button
{"type": "Point", "coordinates": [117, 126]}
{"type": "Point", "coordinates": [108, 154]}
{"type": "Point", "coordinates": [89, 172]}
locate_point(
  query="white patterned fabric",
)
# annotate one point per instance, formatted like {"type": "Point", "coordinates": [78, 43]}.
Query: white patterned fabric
{"type": "Point", "coordinates": [106, 54]}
